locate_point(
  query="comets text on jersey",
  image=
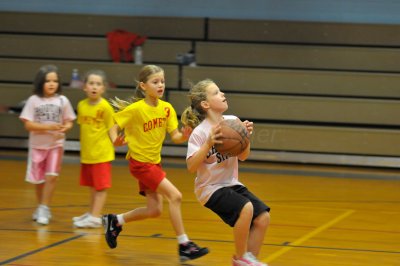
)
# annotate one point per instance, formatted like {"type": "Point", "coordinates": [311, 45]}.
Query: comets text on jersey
{"type": "Point", "coordinates": [154, 123]}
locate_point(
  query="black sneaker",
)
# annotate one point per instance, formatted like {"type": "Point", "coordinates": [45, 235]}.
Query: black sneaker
{"type": "Point", "coordinates": [191, 251]}
{"type": "Point", "coordinates": [111, 229]}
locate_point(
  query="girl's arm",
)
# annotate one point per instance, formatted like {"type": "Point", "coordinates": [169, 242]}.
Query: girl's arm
{"type": "Point", "coordinates": [197, 158]}
{"type": "Point", "coordinates": [180, 136]}
{"type": "Point", "coordinates": [117, 137]}
{"type": "Point", "coordinates": [66, 126]}
{"type": "Point", "coordinates": [245, 154]}
{"type": "Point", "coordinates": [35, 126]}
{"type": "Point", "coordinates": [194, 162]}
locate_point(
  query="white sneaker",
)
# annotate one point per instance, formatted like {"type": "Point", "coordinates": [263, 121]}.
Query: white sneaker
{"type": "Point", "coordinates": [249, 256]}
{"type": "Point", "coordinates": [89, 222]}
{"type": "Point", "coordinates": [241, 262]}
{"type": "Point", "coordinates": [35, 214]}
{"type": "Point", "coordinates": [78, 218]}
{"type": "Point", "coordinates": [248, 259]}
{"type": "Point", "coordinates": [43, 215]}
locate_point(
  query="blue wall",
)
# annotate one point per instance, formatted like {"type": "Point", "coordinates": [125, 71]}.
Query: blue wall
{"type": "Point", "coordinates": [357, 11]}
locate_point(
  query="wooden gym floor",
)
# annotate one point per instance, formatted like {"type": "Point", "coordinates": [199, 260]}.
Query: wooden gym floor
{"type": "Point", "coordinates": [321, 216]}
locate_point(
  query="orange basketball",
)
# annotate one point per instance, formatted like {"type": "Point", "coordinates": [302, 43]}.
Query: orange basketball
{"type": "Point", "coordinates": [234, 136]}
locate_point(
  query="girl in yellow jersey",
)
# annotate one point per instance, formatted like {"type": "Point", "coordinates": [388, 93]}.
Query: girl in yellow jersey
{"type": "Point", "coordinates": [95, 117]}
{"type": "Point", "coordinates": [145, 124]}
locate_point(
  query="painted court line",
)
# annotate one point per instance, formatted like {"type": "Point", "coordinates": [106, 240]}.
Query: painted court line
{"type": "Point", "coordinates": [40, 249]}
{"type": "Point", "coordinates": [299, 241]}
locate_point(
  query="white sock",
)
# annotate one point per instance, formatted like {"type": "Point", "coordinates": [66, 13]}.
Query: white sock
{"type": "Point", "coordinates": [183, 239]}
{"type": "Point", "coordinates": [120, 218]}
{"type": "Point", "coordinates": [43, 206]}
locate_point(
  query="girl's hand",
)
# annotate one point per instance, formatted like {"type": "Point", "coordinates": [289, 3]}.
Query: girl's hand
{"type": "Point", "coordinates": [59, 130]}
{"type": "Point", "coordinates": [249, 126]}
{"type": "Point", "coordinates": [214, 136]}
{"type": "Point", "coordinates": [55, 127]}
{"type": "Point", "coordinates": [64, 128]}
{"type": "Point", "coordinates": [186, 131]}
{"type": "Point", "coordinates": [120, 140]}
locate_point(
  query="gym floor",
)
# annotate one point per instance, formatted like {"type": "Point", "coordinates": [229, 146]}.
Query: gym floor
{"type": "Point", "coordinates": [320, 215]}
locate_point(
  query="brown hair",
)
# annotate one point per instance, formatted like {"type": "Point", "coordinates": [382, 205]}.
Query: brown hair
{"type": "Point", "coordinates": [194, 114]}
{"type": "Point", "coordinates": [96, 72]}
{"type": "Point", "coordinates": [143, 76]}
{"type": "Point", "coordinates": [40, 79]}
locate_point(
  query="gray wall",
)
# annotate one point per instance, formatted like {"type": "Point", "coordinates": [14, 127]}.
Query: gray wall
{"type": "Point", "coordinates": [357, 11]}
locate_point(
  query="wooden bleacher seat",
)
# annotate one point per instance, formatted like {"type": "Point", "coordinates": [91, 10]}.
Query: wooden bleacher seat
{"type": "Point", "coordinates": [300, 32]}
{"type": "Point", "coordinates": [84, 48]}
{"type": "Point", "coordinates": [297, 82]}
{"type": "Point", "coordinates": [306, 109]}
{"type": "Point", "coordinates": [121, 74]}
{"type": "Point", "coordinates": [308, 135]}
{"type": "Point", "coordinates": [295, 56]}
{"type": "Point", "coordinates": [99, 25]}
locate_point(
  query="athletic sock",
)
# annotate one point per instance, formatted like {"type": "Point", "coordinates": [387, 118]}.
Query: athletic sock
{"type": "Point", "coordinates": [120, 218]}
{"type": "Point", "coordinates": [43, 206]}
{"type": "Point", "coordinates": [183, 239]}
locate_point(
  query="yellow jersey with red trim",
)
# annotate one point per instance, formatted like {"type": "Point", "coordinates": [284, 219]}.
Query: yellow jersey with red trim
{"type": "Point", "coordinates": [145, 128]}
{"type": "Point", "coordinates": [95, 121]}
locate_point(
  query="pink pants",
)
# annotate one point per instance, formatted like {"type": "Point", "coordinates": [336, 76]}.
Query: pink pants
{"type": "Point", "coordinates": [42, 163]}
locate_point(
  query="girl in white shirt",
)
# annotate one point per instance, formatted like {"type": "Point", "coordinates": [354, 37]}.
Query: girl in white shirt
{"type": "Point", "coordinates": [47, 115]}
{"type": "Point", "coordinates": [217, 186]}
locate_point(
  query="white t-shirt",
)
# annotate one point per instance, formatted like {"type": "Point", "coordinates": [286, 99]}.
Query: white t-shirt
{"type": "Point", "coordinates": [52, 110]}
{"type": "Point", "coordinates": [216, 171]}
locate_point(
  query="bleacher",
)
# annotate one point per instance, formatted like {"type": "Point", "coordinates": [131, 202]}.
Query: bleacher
{"type": "Point", "coordinates": [317, 92]}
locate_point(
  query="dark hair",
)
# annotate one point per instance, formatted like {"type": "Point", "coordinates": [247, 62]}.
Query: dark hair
{"type": "Point", "coordinates": [96, 72]}
{"type": "Point", "coordinates": [40, 79]}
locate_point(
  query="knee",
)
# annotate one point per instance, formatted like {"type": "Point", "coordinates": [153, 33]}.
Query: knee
{"type": "Point", "coordinates": [155, 212]}
{"type": "Point", "coordinates": [51, 178]}
{"type": "Point", "coordinates": [262, 220]}
{"type": "Point", "coordinates": [247, 210]}
{"type": "Point", "coordinates": [176, 198]}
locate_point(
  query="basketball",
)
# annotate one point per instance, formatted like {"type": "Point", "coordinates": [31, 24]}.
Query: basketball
{"type": "Point", "coordinates": [235, 137]}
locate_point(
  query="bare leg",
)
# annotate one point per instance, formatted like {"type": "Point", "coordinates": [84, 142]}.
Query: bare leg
{"type": "Point", "coordinates": [241, 229]}
{"type": "Point", "coordinates": [92, 198]}
{"type": "Point", "coordinates": [98, 201]}
{"type": "Point", "coordinates": [39, 192]}
{"type": "Point", "coordinates": [153, 208]}
{"type": "Point", "coordinates": [257, 233]}
{"type": "Point", "coordinates": [174, 197]}
{"type": "Point", "coordinates": [48, 190]}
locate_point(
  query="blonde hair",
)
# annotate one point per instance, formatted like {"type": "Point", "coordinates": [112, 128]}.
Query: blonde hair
{"type": "Point", "coordinates": [143, 76]}
{"type": "Point", "coordinates": [194, 114]}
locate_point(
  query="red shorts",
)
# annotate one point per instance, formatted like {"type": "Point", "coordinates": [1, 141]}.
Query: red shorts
{"type": "Point", "coordinates": [96, 175]}
{"type": "Point", "coordinates": [149, 175]}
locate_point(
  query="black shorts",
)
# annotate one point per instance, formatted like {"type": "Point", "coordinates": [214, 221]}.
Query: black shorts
{"type": "Point", "coordinates": [228, 202]}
